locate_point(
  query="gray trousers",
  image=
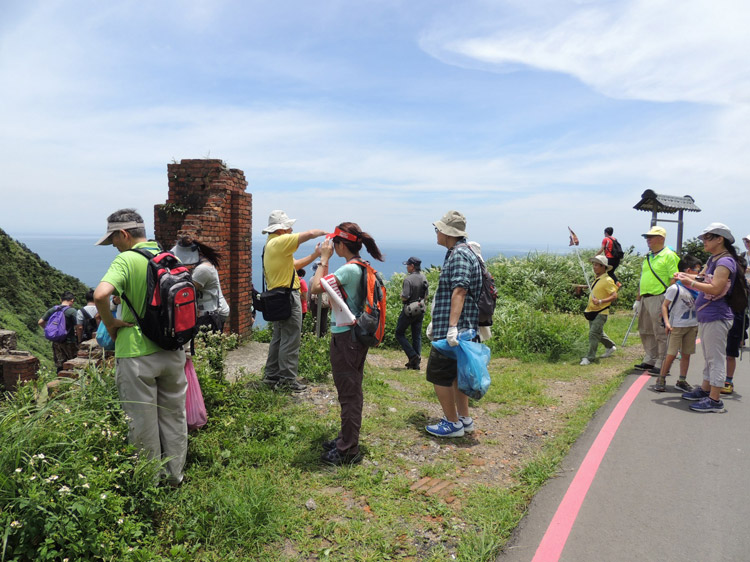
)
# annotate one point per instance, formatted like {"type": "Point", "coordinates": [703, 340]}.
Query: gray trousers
{"type": "Point", "coordinates": [152, 391]}
{"type": "Point", "coordinates": [283, 353]}
{"type": "Point", "coordinates": [714, 345]}
{"type": "Point", "coordinates": [596, 335]}
{"type": "Point", "coordinates": [653, 335]}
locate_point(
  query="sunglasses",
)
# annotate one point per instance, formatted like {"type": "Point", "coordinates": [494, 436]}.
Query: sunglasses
{"type": "Point", "coordinates": [709, 236]}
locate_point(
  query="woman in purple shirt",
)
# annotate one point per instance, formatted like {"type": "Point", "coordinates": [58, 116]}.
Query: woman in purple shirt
{"type": "Point", "coordinates": [715, 317]}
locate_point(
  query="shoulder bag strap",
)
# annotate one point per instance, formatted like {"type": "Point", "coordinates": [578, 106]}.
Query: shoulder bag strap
{"type": "Point", "coordinates": [652, 271]}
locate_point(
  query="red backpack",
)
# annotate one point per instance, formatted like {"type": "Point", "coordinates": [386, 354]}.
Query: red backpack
{"type": "Point", "coordinates": [171, 309]}
{"type": "Point", "coordinates": [370, 326]}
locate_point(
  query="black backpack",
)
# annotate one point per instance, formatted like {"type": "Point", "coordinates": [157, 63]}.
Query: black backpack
{"type": "Point", "coordinates": [737, 297]}
{"type": "Point", "coordinates": [171, 311]}
{"type": "Point", "coordinates": [89, 325]}
{"type": "Point", "coordinates": [617, 251]}
{"type": "Point", "coordinates": [487, 300]}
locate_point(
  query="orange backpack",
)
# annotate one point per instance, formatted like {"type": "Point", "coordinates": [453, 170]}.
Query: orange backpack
{"type": "Point", "coordinates": [370, 326]}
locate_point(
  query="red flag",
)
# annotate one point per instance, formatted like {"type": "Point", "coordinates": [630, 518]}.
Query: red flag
{"type": "Point", "coordinates": [573, 238]}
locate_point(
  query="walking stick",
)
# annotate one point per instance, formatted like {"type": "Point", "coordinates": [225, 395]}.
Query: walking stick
{"type": "Point", "coordinates": [585, 275]}
{"type": "Point", "coordinates": [635, 314]}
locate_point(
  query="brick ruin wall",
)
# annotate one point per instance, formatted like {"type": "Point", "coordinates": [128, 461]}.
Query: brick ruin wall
{"type": "Point", "coordinates": [208, 201]}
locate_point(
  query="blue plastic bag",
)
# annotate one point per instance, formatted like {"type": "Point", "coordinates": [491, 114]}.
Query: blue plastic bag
{"type": "Point", "coordinates": [103, 338]}
{"type": "Point", "coordinates": [473, 358]}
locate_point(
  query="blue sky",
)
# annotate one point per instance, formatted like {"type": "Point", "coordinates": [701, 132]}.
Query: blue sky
{"type": "Point", "coordinates": [528, 116]}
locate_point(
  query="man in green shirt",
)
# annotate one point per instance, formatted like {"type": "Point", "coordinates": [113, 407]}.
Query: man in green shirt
{"type": "Point", "coordinates": [657, 271]}
{"type": "Point", "coordinates": [150, 381]}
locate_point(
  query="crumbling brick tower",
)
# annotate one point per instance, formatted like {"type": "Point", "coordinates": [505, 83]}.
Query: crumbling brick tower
{"type": "Point", "coordinates": [208, 201]}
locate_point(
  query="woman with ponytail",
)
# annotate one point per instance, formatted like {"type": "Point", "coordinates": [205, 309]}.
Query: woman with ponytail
{"type": "Point", "coordinates": [347, 353]}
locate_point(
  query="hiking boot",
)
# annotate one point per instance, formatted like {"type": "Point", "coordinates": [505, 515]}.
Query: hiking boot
{"type": "Point", "coordinates": [415, 362]}
{"type": "Point", "coordinates": [609, 352]}
{"type": "Point", "coordinates": [334, 457]}
{"type": "Point", "coordinates": [696, 394]}
{"type": "Point", "coordinates": [270, 381]}
{"type": "Point", "coordinates": [445, 428]}
{"type": "Point", "coordinates": [660, 385]}
{"type": "Point", "coordinates": [643, 366]}
{"type": "Point", "coordinates": [585, 361]}
{"type": "Point", "coordinates": [468, 424]}
{"type": "Point", "coordinates": [684, 385]}
{"type": "Point", "coordinates": [707, 405]}
{"type": "Point", "coordinates": [728, 387]}
{"type": "Point", "coordinates": [290, 384]}
{"type": "Point", "coordinates": [329, 445]}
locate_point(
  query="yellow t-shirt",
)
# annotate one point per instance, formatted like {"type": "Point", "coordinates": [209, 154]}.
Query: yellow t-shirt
{"type": "Point", "coordinates": [278, 260]}
{"type": "Point", "coordinates": [604, 286]}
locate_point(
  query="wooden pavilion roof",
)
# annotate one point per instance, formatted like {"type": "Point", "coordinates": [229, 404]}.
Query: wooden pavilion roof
{"type": "Point", "coordinates": [652, 201]}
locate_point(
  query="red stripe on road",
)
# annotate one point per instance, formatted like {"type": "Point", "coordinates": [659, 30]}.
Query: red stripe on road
{"type": "Point", "coordinates": [554, 539]}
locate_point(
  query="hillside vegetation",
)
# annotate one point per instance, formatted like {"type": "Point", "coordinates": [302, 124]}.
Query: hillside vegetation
{"type": "Point", "coordinates": [28, 287]}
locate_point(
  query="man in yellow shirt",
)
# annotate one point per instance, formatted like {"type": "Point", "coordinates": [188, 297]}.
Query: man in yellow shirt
{"type": "Point", "coordinates": [657, 272]}
{"type": "Point", "coordinates": [280, 269]}
{"type": "Point", "coordinates": [603, 292]}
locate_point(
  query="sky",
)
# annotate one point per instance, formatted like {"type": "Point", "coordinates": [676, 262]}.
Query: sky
{"type": "Point", "coordinates": [527, 116]}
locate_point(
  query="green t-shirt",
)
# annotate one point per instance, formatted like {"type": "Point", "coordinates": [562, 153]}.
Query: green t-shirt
{"type": "Point", "coordinates": [349, 277]}
{"type": "Point", "coordinates": [664, 265]}
{"type": "Point", "coordinates": [127, 274]}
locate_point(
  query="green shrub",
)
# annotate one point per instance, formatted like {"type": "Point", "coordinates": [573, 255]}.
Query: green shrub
{"type": "Point", "coordinates": [314, 357]}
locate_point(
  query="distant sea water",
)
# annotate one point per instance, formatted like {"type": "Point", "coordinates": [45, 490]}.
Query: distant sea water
{"type": "Point", "coordinates": [79, 257]}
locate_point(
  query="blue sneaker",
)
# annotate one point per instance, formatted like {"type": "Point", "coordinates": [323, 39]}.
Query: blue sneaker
{"type": "Point", "coordinates": [445, 428]}
{"type": "Point", "coordinates": [696, 394]}
{"type": "Point", "coordinates": [468, 424]}
{"type": "Point", "coordinates": [708, 405]}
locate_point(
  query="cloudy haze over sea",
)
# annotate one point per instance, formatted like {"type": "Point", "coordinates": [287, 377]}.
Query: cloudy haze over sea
{"type": "Point", "coordinates": [528, 116]}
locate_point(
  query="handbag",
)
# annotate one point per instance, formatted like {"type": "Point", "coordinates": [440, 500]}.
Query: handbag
{"type": "Point", "coordinates": [103, 338]}
{"type": "Point", "coordinates": [276, 304]}
{"type": "Point", "coordinates": [195, 408]}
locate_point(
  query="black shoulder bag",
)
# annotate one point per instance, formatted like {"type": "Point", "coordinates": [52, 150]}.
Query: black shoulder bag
{"type": "Point", "coordinates": [275, 304]}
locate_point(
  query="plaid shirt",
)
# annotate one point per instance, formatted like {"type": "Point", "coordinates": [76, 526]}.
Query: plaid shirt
{"type": "Point", "coordinates": [461, 268]}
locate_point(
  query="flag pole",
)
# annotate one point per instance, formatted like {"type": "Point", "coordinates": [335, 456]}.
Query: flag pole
{"type": "Point", "coordinates": [574, 243]}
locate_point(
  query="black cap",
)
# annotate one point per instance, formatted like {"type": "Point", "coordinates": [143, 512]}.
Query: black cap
{"type": "Point", "coordinates": [413, 261]}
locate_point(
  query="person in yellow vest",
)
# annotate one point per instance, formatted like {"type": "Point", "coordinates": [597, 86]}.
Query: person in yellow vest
{"type": "Point", "coordinates": [603, 293]}
{"type": "Point", "coordinates": [657, 271]}
{"type": "Point", "coordinates": [280, 269]}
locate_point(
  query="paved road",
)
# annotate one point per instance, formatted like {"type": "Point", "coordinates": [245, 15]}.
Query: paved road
{"type": "Point", "coordinates": [672, 485]}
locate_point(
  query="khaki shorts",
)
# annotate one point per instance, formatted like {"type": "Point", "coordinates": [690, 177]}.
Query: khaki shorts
{"type": "Point", "coordinates": [682, 339]}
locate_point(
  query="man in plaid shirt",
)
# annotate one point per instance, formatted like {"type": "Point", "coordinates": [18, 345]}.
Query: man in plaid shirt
{"type": "Point", "coordinates": [455, 310]}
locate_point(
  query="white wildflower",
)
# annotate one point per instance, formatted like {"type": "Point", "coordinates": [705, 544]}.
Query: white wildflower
{"type": "Point", "coordinates": [81, 475]}
{"type": "Point", "coordinates": [19, 469]}
{"type": "Point", "coordinates": [95, 459]}
{"type": "Point", "coordinates": [86, 485]}
{"type": "Point", "coordinates": [103, 496]}
{"type": "Point", "coordinates": [64, 490]}
{"type": "Point", "coordinates": [16, 524]}
{"type": "Point", "coordinates": [33, 477]}
{"type": "Point", "coordinates": [120, 521]}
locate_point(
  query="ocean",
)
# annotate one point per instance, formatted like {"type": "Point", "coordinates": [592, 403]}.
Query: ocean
{"type": "Point", "coordinates": [77, 255]}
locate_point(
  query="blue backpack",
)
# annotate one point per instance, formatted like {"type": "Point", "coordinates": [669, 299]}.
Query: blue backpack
{"type": "Point", "coordinates": [56, 328]}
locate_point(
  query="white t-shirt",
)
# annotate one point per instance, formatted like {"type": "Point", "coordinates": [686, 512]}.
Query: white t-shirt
{"type": "Point", "coordinates": [90, 308]}
{"type": "Point", "coordinates": [682, 313]}
{"type": "Point", "coordinates": [207, 277]}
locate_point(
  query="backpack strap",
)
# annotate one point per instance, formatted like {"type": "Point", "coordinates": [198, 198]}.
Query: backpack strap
{"type": "Point", "coordinates": [148, 255]}
{"type": "Point", "coordinates": [648, 260]}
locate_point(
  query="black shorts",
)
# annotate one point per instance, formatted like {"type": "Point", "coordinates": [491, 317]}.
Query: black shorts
{"type": "Point", "coordinates": [735, 337]}
{"type": "Point", "coordinates": [441, 370]}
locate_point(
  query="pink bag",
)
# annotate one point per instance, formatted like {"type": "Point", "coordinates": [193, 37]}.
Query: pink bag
{"type": "Point", "coordinates": [194, 406]}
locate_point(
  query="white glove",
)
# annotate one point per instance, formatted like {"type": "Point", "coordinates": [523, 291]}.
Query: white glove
{"type": "Point", "coordinates": [485, 333]}
{"type": "Point", "coordinates": [452, 336]}
{"type": "Point", "coordinates": [428, 331]}
{"type": "Point", "coordinates": [637, 307]}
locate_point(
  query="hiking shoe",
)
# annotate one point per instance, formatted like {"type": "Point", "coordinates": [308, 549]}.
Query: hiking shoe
{"type": "Point", "coordinates": [270, 381]}
{"type": "Point", "coordinates": [414, 363]}
{"type": "Point", "coordinates": [643, 366]}
{"type": "Point", "coordinates": [660, 385]}
{"type": "Point", "coordinates": [656, 371]}
{"type": "Point", "coordinates": [728, 388]}
{"type": "Point", "coordinates": [609, 352]}
{"type": "Point", "coordinates": [682, 384]}
{"type": "Point", "coordinates": [696, 394]}
{"type": "Point", "coordinates": [290, 384]}
{"type": "Point", "coordinates": [468, 424]}
{"type": "Point", "coordinates": [329, 445]}
{"type": "Point", "coordinates": [334, 457]}
{"type": "Point", "coordinates": [445, 428]}
{"type": "Point", "coordinates": [707, 405]}
{"type": "Point", "coordinates": [585, 361]}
